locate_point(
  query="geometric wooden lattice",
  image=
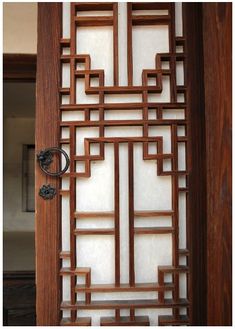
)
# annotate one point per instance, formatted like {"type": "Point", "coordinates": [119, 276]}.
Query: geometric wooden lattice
{"type": "Point", "coordinates": [152, 114]}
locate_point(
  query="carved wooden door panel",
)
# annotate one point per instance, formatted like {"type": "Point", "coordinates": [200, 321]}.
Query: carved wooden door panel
{"type": "Point", "coordinates": [120, 210]}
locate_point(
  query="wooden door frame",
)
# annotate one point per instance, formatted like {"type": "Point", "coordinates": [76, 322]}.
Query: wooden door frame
{"type": "Point", "coordinates": [203, 84]}
{"type": "Point", "coordinates": [19, 67]}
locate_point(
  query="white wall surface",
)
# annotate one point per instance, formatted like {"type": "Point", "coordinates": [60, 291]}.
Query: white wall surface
{"type": "Point", "coordinates": [17, 131]}
{"type": "Point", "coordinates": [20, 27]}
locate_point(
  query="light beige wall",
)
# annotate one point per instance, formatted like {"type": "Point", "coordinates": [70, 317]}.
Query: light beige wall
{"type": "Point", "coordinates": [17, 131]}
{"type": "Point", "coordinates": [20, 27]}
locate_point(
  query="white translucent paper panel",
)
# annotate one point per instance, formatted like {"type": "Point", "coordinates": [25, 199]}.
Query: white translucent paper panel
{"type": "Point", "coordinates": [98, 43]}
{"type": "Point", "coordinates": [183, 285]}
{"type": "Point", "coordinates": [65, 218]}
{"type": "Point", "coordinates": [97, 192]}
{"type": "Point", "coordinates": [163, 131]}
{"type": "Point", "coordinates": [153, 314]}
{"type": "Point", "coordinates": [65, 75]}
{"type": "Point", "coordinates": [125, 98]}
{"type": "Point", "coordinates": [178, 19]}
{"type": "Point", "coordinates": [97, 252]}
{"type": "Point", "coordinates": [153, 222]}
{"type": "Point", "coordinates": [122, 43]}
{"type": "Point", "coordinates": [94, 223]}
{"type": "Point", "coordinates": [66, 287]}
{"type": "Point", "coordinates": [81, 97]}
{"type": "Point", "coordinates": [124, 211]}
{"type": "Point", "coordinates": [81, 134]}
{"type": "Point", "coordinates": [182, 220]}
{"type": "Point", "coordinates": [151, 192]}
{"type": "Point", "coordinates": [72, 116]}
{"type": "Point", "coordinates": [123, 115]}
{"type": "Point", "coordinates": [147, 42]}
{"type": "Point", "coordinates": [179, 73]}
{"type": "Point", "coordinates": [151, 251]}
{"type": "Point", "coordinates": [164, 96]}
{"type": "Point", "coordinates": [123, 132]}
{"type": "Point", "coordinates": [96, 315]}
{"type": "Point", "coordinates": [66, 20]}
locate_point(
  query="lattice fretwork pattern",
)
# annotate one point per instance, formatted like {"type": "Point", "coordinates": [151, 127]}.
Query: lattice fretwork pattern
{"type": "Point", "coordinates": [100, 125]}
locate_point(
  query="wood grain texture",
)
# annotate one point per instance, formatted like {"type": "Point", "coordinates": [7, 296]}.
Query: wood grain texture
{"type": "Point", "coordinates": [47, 134]}
{"type": "Point", "coordinates": [217, 38]}
{"type": "Point", "coordinates": [196, 222]}
{"type": "Point", "coordinates": [19, 67]}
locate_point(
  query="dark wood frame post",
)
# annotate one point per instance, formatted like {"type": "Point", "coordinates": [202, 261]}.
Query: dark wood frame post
{"type": "Point", "coordinates": [47, 135]}
{"type": "Point", "coordinates": [217, 43]}
{"type": "Point", "coordinates": [192, 15]}
{"type": "Point", "coordinates": [208, 32]}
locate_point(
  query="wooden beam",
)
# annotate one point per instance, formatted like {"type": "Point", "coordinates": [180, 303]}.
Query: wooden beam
{"type": "Point", "coordinates": [19, 67]}
{"type": "Point", "coordinates": [217, 37]}
{"type": "Point", "coordinates": [47, 214]}
{"type": "Point", "coordinates": [196, 220]}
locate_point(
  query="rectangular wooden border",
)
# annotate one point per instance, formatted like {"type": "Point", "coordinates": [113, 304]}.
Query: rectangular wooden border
{"type": "Point", "coordinates": [47, 135]}
{"type": "Point", "coordinates": [210, 173]}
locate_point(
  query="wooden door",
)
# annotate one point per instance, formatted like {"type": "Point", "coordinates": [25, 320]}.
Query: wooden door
{"type": "Point", "coordinates": [115, 233]}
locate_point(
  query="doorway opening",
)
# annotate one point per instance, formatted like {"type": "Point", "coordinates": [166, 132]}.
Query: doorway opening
{"type": "Point", "coordinates": [18, 191]}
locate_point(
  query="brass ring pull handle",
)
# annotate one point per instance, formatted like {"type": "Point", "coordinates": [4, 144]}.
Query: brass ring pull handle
{"type": "Point", "coordinates": [45, 158]}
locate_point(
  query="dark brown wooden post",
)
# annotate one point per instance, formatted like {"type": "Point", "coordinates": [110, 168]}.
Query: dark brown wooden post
{"type": "Point", "coordinates": [192, 15]}
{"type": "Point", "coordinates": [217, 42]}
{"type": "Point", "coordinates": [47, 135]}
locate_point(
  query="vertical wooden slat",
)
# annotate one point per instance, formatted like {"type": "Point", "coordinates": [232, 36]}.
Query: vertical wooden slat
{"type": "Point", "coordinates": [129, 45]}
{"type": "Point", "coordinates": [131, 214]}
{"type": "Point", "coordinates": [72, 180]}
{"type": "Point", "coordinates": [117, 214]}
{"type": "Point", "coordinates": [115, 44]}
{"type": "Point", "coordinates": [217, 44]}
{"type": "Point", "coordinates": [47, 213]}
{"type": "Point", "coordinates": [172, 51]}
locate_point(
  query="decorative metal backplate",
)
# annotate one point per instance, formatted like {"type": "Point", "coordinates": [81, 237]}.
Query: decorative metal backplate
{"type": "Point", "coordinates": [47, 192]}
{"type": "Point", "coordinates": [153, 114]}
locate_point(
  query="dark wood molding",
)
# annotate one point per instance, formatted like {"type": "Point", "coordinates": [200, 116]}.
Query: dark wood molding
{"type": "Point", "coordinates": [217, 37]}
{"type": "Point", "coordinates": [192, 13]}
{"type": "Point", "coordinates": [19, 67]}
{"type": "Point", "coordinates": [19, 297]}
{"type": "Point", "coordinates": [47, 134]}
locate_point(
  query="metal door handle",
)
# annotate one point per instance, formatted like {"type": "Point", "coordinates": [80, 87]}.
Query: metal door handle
{"type": "Point", "coordinates": [45, 158]}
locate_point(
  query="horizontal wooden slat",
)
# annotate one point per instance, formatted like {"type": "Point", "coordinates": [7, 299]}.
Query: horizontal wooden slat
{"type": "Point", "coordinates": [153, 230]}
{"type": "Point", "coordinates": [94, 231]}
{"type": "Point", "coordinates": [123, 106]}
{"type": "Point", "coordinates": [86, 321]}
{"type": "Point", "coordinates": [127, 304]}
{"type": "Point", "coordinates": [147, 213]}
{"type": "Point", "coordinates": [94, 20]}
{"type": "Point", "coordinates": [125, 321]}
{"type": "Point", "coordinates": [150, 19]}
{"type": "Point", "coordinates": [169, 320]}
{"type": "Point", "coordinates": [97, 214]}
{"type": "Point", "coordinates": [171, 269]}
{"type": "Point", "coordinates": [118, 123]}
{"type": "Point", "coordinates": [124, 287]}
{"type": "Point", "coordinates": [78, 270]}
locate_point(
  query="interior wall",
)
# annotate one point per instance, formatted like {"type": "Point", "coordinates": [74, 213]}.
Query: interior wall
{"type": "Point", "coordinates": [20, 27]}
{"type": "Point", "coordinates": [17, 131]}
